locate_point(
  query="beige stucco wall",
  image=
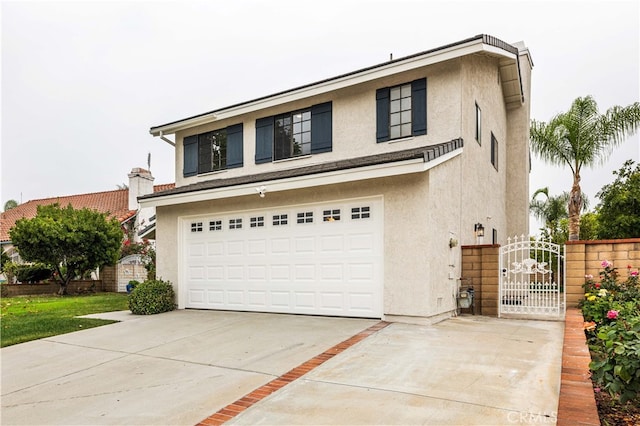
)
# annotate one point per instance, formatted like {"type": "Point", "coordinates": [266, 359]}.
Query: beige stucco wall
{"type": "Point", "coordinates": [518, 156]}
{"type": "Point", "coordinates": [421, 212]}
{"type": "Point", "coordinates": [354, 123]}
{"type": "Point", "coordinates": [484, 193]}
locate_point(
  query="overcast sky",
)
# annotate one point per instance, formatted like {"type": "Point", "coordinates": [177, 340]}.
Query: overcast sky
{"type": "Point", "coordinates": [83, 81]}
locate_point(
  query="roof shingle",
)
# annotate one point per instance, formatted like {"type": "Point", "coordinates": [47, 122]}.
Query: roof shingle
{"type": "Point", "coordinates": [114, 203]}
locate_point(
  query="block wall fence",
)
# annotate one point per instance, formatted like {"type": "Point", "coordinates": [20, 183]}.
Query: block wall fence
{"type": "Point", "coordinates": [480, 268]}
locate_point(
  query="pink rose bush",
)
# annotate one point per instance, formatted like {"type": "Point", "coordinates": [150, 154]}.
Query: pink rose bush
{"type": "Point", "coordinates": [611, 311]}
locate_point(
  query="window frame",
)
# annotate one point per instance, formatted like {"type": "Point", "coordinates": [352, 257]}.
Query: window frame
{"type": "Point", "coordinates": [281, 146]}
{"type": "Point", "coordinates": [478, 124]}
{"type": "Point", "coordinates": [418, 111]}
{"type": "Point", "coordinates": [195, 145]}
{"type": "Point", "coordinates": [494, 151]}
{"type": "Point", "coordinates": [320, 131]}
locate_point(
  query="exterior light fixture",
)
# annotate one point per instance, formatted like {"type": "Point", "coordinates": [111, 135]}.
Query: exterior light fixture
{"type": "Point", "coordinates": [479, 230]}
{"type": "Point", "coordinates": [261, 191]}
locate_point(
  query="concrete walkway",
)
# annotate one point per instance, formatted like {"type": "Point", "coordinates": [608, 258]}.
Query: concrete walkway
{"type": "Point", "coordinates": [183, 366]}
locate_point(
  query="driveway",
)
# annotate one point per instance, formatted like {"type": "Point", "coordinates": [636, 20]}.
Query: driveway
{"type": "Point", "coordinates": [183, 366]}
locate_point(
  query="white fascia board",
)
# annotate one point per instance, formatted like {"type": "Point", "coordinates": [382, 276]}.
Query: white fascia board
{"type": "Point", "coordinates": [320, 179]}
{"type": "Point", "coordinates": [474, 46]}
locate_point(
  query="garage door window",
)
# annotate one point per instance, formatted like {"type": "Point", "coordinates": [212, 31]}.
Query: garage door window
{"type": "Point", "coordinates": [306, 217]}
{"type": "Point", "coordinates": [280, 219]}
{"type": "Point", "coordinates": [215, 225]}
{"type": "Point", "coordinates": [235, 223]}
{"type": "Point", "coordinates": [360, 213]}
{"type": "Point", "coordinates": [196, 227]}
{"type": "Point", "coordinates": [331, 215]}
{"type": "Point", "coordinates": [256, 222]}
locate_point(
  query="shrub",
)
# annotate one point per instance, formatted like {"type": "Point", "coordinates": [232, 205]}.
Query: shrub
{"type": "Point", "coordinates": [32, 273]}
{"type": "Point", "coordinates": [152, 297]}
{"type": "Point", "coordinates": [612, 309]}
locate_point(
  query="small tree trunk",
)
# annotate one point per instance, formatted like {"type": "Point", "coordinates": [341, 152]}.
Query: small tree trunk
{"type": "Point", "coordinates": [575, 205]}
{"type": "Point", "coordinates": [63, 290]}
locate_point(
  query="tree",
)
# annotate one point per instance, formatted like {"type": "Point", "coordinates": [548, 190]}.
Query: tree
{"type": "Point", "coordinates": [582, 137]}
{"type": "Point", "coordinates": [10, 204]}
{"type": "Point", "coordinates": [553, 211]}
{"type": "Point", "coordinates": [71, 241]}
{"type": "Point", "coordinates": [619, 208]}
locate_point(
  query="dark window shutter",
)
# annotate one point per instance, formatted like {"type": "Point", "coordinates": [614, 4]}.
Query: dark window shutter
{"type": "Point", "coordinates": [382, 114]}
{"type": "Point", "coordinates": [419, 107]}
{"type": "Point", "coordinates": [264, 140]}
{"type": "Point", "coordinates": [190, 164]}
{"type": "Point", "coordinates": [321, 133]}
{"type": "Point", "coordinates": [234, 146]}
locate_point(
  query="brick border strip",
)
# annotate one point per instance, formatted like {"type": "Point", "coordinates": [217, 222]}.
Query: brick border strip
{"type": "Point", "coordinates": [577, 403]}
{"type": "Point", "coordinates": [235, 408]}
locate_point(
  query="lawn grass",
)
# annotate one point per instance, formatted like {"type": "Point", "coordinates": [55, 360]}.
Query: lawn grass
{"type": "Point", "coordinates": [26, 318]}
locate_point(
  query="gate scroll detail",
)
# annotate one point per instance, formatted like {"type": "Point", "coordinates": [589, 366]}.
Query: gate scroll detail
{"type": "Point", "coordinates": [530, 279]}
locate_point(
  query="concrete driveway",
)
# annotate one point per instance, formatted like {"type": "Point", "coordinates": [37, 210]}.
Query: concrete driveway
{"type": "Point", "coordinates": [181, 367]}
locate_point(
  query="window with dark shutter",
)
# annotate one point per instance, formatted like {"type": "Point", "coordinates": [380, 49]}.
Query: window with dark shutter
{"type": "Point", "coordinates": [321, 128]}
{"type": "Point", "coordinates": [214, 150]}
{"type": "Point", "coordinates": [190, 163]}
{"type": "Point", "coordinates": [294, 134]}
{"type": "Point", "coordinates": [401, 111]}
{"type": "Point", "coordinates": [264, 139]}
{"type": "Point", "coordinates": [235, 156]}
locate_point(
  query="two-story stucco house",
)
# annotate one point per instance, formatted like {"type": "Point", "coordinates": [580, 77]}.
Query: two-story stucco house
{"type": "Point", "coordinates": [350, 196]}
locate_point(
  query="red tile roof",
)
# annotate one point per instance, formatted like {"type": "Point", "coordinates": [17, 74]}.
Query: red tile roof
{"type": "Point", "coordinates": [115, 203]}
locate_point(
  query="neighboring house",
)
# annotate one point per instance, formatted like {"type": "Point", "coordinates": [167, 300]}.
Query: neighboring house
{"type": "Point", "coordinates": [350, 196]}
{"type": "Point", "coordinates": [121, 204]}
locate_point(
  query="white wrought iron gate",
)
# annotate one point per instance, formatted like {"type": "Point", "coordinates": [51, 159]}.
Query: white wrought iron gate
{"type": "Point", "coordinates": [530, 279]}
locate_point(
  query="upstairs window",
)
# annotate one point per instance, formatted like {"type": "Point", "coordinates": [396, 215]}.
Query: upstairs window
{"type": "Point", "coordinates": [294, 134]}
{"type": "Point", "coordinates": [494, 151]}
{"type": "Point", "coordinates": [212, 151]}
{"type": "Point", "coordinates": [478, 124]}
{"type": "Point", "coordinates": [401, 111]}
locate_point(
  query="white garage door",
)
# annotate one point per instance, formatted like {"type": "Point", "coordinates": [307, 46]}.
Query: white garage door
{"type": "Point", "coordinates": [321, 259]}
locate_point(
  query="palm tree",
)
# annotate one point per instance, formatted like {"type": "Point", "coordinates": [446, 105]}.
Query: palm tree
{"type": "Point", "coordinates": [551, 211]}
{"type": "Point", "coordinates": [582, 137]}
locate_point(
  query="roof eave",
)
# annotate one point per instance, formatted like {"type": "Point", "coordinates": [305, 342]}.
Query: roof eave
{"type": "Point", "coordinates": [478, 44]}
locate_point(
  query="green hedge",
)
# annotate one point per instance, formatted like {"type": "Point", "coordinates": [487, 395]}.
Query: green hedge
{"type": "Point", "coordinates": [152, 297]}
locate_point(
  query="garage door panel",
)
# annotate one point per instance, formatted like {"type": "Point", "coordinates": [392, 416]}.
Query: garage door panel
{"type": "Point", "coordinates": [305, 300]}
{"type": "Point", "coordinates": [332, 243]}
{"type": "Point", "coordinates": [315, 259]}
{"type": "Point", "coordinates": [235, 248]}
{"type": "Point", "coordinates": [196, 249]}
{"type": "Point", "coordinates": [257, 298]}
{"type": "Point", "coordinates": [197, 296]}
{"type": "Point", "coordinates": [215, 274]}
{"type": "Point", "coordinates": [235, 272]}
{"type": "Point", "coordinates": [215, 298]}
{"type": "Point", "coordinates": [235, 298]}
{"type": "Point", "coordinates": [215, 248]}
{"type": "Point", "coordinates": [280, 299]}
{"type": "Point", "coordinates": [280, 246]}
{"type": "Point", "coordinates": [280, 272]}
{"type": "Point", "coordinates": [196, 273]}
{"type": "Point", "coordinates": [305, 245]}
{"type": "Point", "coordinates": [257, 273]}
{"type": "Point", "coordinates": [332, 272]}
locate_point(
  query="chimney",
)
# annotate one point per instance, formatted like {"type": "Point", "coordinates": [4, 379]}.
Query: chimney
{"type": "Point", "coordinates": [140, 183]}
